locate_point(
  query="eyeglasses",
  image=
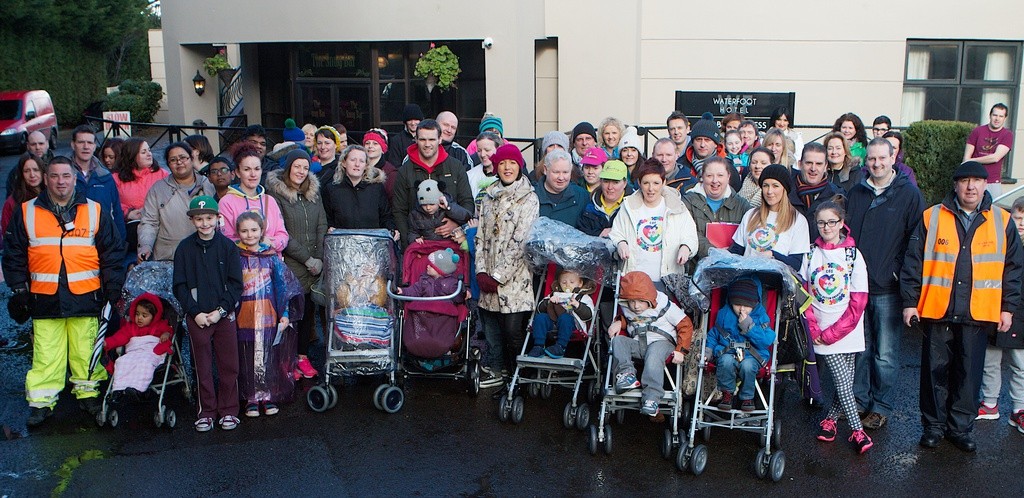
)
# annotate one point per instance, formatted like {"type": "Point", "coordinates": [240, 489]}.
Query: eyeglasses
{"type": "Point", "coordinates": [178, 159]}
{"type": "Point", "coordinates": [828, 223]}
{"type": "Point", "coordinates": [218, 171]}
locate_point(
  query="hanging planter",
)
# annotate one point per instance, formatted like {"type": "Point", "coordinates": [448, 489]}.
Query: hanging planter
{"type": "Point", "coordinates": [216, 64]}
{"type": "Point", "coordinates": [439, 66]}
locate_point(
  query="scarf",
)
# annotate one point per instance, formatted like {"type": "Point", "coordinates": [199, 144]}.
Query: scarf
{"type": "Point", "coordinates": [807, 192]}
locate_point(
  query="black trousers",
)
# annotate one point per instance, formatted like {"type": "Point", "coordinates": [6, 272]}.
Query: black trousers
{"type": "Point", "coordinates": [952, 363]}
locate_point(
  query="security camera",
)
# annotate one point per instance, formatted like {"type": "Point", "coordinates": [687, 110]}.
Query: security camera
{"type": "Point", "coordinates": [488, 42]}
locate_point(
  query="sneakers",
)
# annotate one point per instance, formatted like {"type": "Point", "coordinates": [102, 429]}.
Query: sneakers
{"type": "Point", "coordinates": [828, 431]}
{"type": "Point", "coordinates": [649, 407]}
{"type": "Point", "coordinates": [270, 409]}
{"type": "Point", "coordinates": [1017, 420]}
{"type": "Point", "coordinates": [489, 379]}
{"type": "Point", "coordinates": [90, 405]}
{"type": "Point", "coordinates": [252, 410]}
{"type": "Point", "coordinates": [986, 412]}
{"type": "Point", "coordinates": [747, 405]}
{"type": "Point", "coordinates": [557, 351]}
{"type": "Point", "coordinates": [229, 422]}
{"type": "Point", "coordinates": [874, 420]}
{"type": "Point", "coordinates": [38, 416]}
{"type": "Point", "coordinates": [306, 368]}
{"type": "Point", "coordinates": [861, 441]}
{"type": "Point", "coordinates": [536, 352]}
{"type": "Point", "coordinates": [726, 402]}
{"type": "Point", "coordinates": [204, 424]}
{"type": "Point", "coordinates": [625, 381]}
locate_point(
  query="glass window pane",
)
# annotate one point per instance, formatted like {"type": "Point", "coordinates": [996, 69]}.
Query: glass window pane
{"type": "Point", "coordinates": [392, 101]}
{"type": "Point", "coordinates": [932, 62]}
{"type": "Point", "coordinates": [391, 61]}
{"type": "Point", "coordinates": [354, 107]}
{"type": "Point", "coordinates": [975, 103]}
{"type": "Point", "coordinates": [940, 103]}
{"type": "Point", "coordinates": [990, 62]}
{"type": "Point", "coordinates": [316, 104]}
{"type": "Point", "coordinates": [334, 60]}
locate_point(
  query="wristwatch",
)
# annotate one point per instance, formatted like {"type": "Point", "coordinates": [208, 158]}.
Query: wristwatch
{"type": "Point", "coordinates": [222, 312]}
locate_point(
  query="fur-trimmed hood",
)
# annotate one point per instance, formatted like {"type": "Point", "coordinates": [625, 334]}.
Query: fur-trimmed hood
{"type": "Point", "coordinates": [280, 189]}
{"type": "Point", "coordinates": [371, 175]}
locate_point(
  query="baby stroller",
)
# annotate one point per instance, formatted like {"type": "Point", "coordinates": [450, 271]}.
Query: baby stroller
{"type": "Point", "coordinates": [357, 267]}
{"type": "Point", "coordinates": [434, 331]}
{"type": "Point", "coordinates": [712, 276]}
{"type": "Point", "coordinates": [156, 278]}
{"type": "Point", "coordinates": [541, 374]}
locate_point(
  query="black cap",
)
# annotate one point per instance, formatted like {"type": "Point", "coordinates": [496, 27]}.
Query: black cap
{"type": "Point", "coordinates": [705, 127]}
{"type": "Point", "coordinates": [412, 111]}
{"type": "Point", "coordinates": [970, 169]}
{"type": "Point", "coordinates": [584, 128]}
{"type": "Point", "coordinates": [778, 173]}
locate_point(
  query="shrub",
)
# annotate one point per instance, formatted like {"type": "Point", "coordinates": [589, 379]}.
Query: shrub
{"type": "Point", "coordinates": [933, 149]}
{"type": "Point", "coordinates": [141, 98]}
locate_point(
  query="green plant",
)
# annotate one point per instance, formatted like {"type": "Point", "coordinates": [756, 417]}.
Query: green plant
{"type": "Point", "coordinates": [440, 63]}
{"type": "Point", "coordinates": [933, 149]}
{"type": "Point", "coordinates": [216, 64]}
{"type": "Point", "coordinates": [141, 98]}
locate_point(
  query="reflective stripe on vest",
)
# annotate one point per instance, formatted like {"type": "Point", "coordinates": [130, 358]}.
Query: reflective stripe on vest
{"type": "Point", "coordinates": [988, 255]}
{"type": "Point", "coordinates": [50, 247]}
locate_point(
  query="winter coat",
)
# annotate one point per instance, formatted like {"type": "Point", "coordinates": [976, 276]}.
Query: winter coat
{"type": "Point", "coordinates": [831, 190]}
{"type": "Point", "coordinates": [64, 304]}
{"type": "Point", "coordinates": [156, 328]}
{"type": "Point", "coordinates": [568, 211]}
{"type": "Point", "coordinates": [847, 177]}
{"type": "Point", "coordinates": [886, 221]}
{"type": "Point", "coordinates": [364, 205]}
{"type": "Point", "coordinates": [100, 187]}
{"type": "Point", "coordinates": [207, 274]}
{"type": "Point", "coordinates": [1013, 338]}
{"type": "Point", "coordinates": [751, 191]}
{"type": "Point", "coordinates": [458, 152]}
{"type": "Point", "coordinates": [680, 230]}
{"type": "Point", "coordinates": [448, 172]}
{"type": "Point", "coordinates": [236, 202]}
{"type": "Point", "coordinates": [165, 222]}
{"type": "Point", "coordinates": [390, 175]}
{"type": "Point", "coordinates": [327, 171]}
{"type": "Point", "coordinates": [732, 210]}
{"type": "Point", "coordinates": [727, 329]}
{"type": "Point", "coordinates": [837, 279]}
{"type": "Point", "coordinates": [673, 325]}
{"type": "Point", "coordinates": [594, 219]}
{"type": "Point", "coordinates": [305, 220]}
{"type": "Point", "coordinates": [506, 215]}
{"type": "Point", "coordinates": [398, 146]}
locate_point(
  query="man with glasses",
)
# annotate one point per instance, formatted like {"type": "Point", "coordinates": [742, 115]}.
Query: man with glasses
{"type": "Point", "coordinates": [221, 173]}
{"type": "Point", "coordinates": [882, 211]}
{"type": "Point", "coordinates": [880, 126]}
{"type": "Point", "coordinates": [988, 144]}
{"type": "Point", "coordinates": [94, 179]}
{"type": "Point", "coordinates": [165, 221]}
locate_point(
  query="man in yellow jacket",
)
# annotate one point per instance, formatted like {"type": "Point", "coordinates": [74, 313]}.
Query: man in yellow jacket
{"type": "Point", "coordinates": [63, 259]}
{"type": "Point", "coordinates": [961, 279]}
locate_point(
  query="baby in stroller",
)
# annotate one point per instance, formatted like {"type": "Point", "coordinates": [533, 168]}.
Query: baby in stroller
{"type": "Point", "coordinates": [739, 342]}
{"type": "Point", "coordinates": [147, 338]}
{"type": "Point", "coordinates": [657, 331]}
{"type": "Point", "coordinates": [569, 306]}
{"type": "Point", "coordinates": [439, 278]}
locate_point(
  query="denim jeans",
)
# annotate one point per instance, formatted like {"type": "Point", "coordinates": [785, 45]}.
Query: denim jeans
{"type": "Point", "coordinates": [542, 324]}
{"type": "Point", "coordinates": [726, 371]}
{"type": "Point", "coordinates": [878, 366]}
{"type": "Point", "coordinates": [505, 334]}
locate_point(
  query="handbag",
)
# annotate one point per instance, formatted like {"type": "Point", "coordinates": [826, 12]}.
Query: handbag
{"type": "Point", "coordinates": [793, 342]}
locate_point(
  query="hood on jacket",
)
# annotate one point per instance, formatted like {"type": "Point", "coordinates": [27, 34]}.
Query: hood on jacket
{"type": "Point", "coordinates": [638, 285]}
{"type": "Point", "coordinates": [846, 240]}
{"type": "Point", "coordinates": [310, 189]}
{"type": "Point", "coordinates": [373, 174]}
{"type": "Point", "coordinates": [414, 157]}
{"type": "Point", "coordinates": [152, 299]}
{"type": "Point", "coordinates": [237, 190]}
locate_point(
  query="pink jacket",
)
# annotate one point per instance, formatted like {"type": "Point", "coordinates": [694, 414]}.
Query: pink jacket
{"type": "Point", "coordinates": [235, 202]}
{"type": "Point", "coordinates": [133, 194]}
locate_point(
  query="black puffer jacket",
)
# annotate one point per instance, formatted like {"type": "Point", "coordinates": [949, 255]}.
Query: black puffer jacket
{"type": "Point", "coordinates": [357, 206]}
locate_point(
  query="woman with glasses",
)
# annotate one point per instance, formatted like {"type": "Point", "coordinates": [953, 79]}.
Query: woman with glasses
{"type": "Point", "coordinates": [775, 229]}
{"type": "Point", "coordinates": [165, 221]}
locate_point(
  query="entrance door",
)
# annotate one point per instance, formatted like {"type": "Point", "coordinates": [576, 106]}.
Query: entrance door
{"type": "Point", "coordinates": [327, 104]}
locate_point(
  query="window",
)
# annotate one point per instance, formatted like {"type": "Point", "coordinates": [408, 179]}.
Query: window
{"type": "Point", "coordinates": [959, 80]}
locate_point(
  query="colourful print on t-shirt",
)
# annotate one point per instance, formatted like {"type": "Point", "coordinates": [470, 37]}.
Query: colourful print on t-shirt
{"type": "Point", "coordinates": [649, 233]}
{"type": "Point", "coordinates": [830, 282]}
{"type": "Point", "coordinates": [763, 238]}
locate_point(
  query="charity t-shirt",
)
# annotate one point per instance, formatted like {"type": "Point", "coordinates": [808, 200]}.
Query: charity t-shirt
{"type": "Point", "coordinates": [985, 142]}
{"type": "Point", "coordinates": [765, 239]}
{"type": "Point", "coordinates": [650, 238]}
{"type": "Point", "coordinates": [831, 277]}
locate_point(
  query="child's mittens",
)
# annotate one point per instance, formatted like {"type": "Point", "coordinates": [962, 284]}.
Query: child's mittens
{"type": "Point", "coordinates": [745, 324]}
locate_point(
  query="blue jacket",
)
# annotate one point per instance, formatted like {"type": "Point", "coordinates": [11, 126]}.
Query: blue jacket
{"type": "Point", "coordinates": [100, 187]}
{"type": "Point", "coordinates": [569, 210]}
{"type": "Point", "coordinates": [727, 329]}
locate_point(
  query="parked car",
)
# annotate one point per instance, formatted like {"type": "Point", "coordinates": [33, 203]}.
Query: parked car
{"type": "Point", "coordinates": [23, 112]}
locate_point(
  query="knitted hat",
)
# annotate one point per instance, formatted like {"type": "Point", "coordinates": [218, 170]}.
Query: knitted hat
{"type": "Point", "coordinates": [203, 204]}
{"type": "Point", "coordinates": [969, 169]}
{"type": "Point", "coordinates": [554, 138]}
{"type": "Point", "coordinates": [778, 173]}
{"type": "Point", "coordinates": [377, 135]}
{"type": "Point", "coordinates": [744, 293]}
{"type": "Point", "coordinates": [428, 192]}
{"type": "Point", "coordinates": [631, 139]}
{"type": "Point", "coordinates": [584, 128]}
{"type": "Point", "coordinates": [293, 156]}
{"type": "Point", "coordinates": [638, 285]}
{"type": "Point", "coordinates": [292, 133]}
{"type": "Point", "coordinates": [614, 170]}
{"type": "Point", "coordinates": [594, 156]}
{"type": "Point", "coordinates": [334, 133]}
{"type": "Point", "coordinates": [705, 127]}
{"type": "Point", "coordinates": [492, 122]}
{"type": "Point", "coordinates": [445, 261]}
{"type": "Point", "coordinates": [412, 111]}
{"type": "Point", "coordinates": [509, 152]}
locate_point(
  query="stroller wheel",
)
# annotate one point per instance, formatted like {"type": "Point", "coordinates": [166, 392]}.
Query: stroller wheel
{"type": "Point", "coordinates": [582, 417]}
{"type": "Point", "coordinates": [593, 391]}
{"type": "Point", "coordinates": [377, 396]}
{"type": "Point", "coordinates": [620, 417]}
{"type": "Point", "coordinates": [777, 465]}
{"type": "Point", "coordinates": [777, 432]}
{"type": "Point", "coordinates": [392, 399]}
{"type": "Point", "coordinates": [592, 440]}
{"type": "Point", "coordinates": [699, 460]}
{"type": "Point", "coordinates": [545, 393]}
{"type": "Point", "coordinates": [568, 416]}
{"type": "Point", "coordinates": [332, 395]}
{"type": "Point", "coordinates": [517, 409]}
{"type": "Point", "coordinates": [608, 440]}
{"type": "Point", "coordinates": [533, 390]}
{"type": "Point", "coordinates": [683, 457]}
{"type": "Point", "coordinates": [101, 418]}
{"type": "Point", "coordinates": [112, 418]}
{"type": "Point", "coordinates": [158, 417]}
{"type": "Point", "coordinates": [761, 464]}
{"type": "Point", "coordinates": [170, 418]}
{"type": "Point", "coordinates": [473, 378]}
{"type": "Point", "coordinates": [317, 399]}
{"type": "Point", "coordinates": [666, 445]}
{"type": "Point", "coordinates": [504, 408]}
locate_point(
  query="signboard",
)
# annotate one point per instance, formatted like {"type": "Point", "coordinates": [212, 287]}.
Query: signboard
{"type": "Point", "coordinates": [119, 116]}
{"type": "Point", "coordinates": [755, 106]}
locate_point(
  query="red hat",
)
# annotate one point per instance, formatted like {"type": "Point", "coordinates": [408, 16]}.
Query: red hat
{"type": "Point", "coordinates": [508, 152]}
{"type": "Point", "coordinates": [377, 135]}
{"type": "Point", "coordinates": [638, 285]}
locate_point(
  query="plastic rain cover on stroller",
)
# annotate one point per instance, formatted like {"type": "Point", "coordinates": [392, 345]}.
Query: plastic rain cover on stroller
{"type": "Point", "coordinates": [552, 241]}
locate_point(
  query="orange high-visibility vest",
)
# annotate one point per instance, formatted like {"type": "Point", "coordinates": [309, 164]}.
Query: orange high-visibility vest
{"type": "Point", "coordinates": [988, 255]}
{"type": "Point", "coordinates": [50, 245]}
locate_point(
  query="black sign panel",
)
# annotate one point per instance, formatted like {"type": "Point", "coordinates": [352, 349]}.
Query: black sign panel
{"type": "Point", "coordinates": [755, 106]}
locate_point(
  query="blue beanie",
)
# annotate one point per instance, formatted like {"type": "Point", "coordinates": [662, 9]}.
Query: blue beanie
{"type": "Point", "coordinates": [492, 122]}
{"type": "Point", "coordinates": [292, 133]}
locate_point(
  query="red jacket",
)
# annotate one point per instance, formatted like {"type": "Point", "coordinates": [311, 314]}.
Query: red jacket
{"type": "Point", "coordinates": [156, 328]}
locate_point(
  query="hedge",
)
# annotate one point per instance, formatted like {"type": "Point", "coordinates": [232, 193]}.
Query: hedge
{"type": "Point", "coordinates": [141, 98]}
{"type": "Point", "coordinates": [74, 75]}
{"type": "Point", "coordinates": [933, 149]}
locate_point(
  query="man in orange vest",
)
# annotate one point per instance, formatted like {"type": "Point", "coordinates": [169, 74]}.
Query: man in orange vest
{"type": "Point", "coordinates": [961, 279]}
{"type": "Point", "coordinates": [63, 260]}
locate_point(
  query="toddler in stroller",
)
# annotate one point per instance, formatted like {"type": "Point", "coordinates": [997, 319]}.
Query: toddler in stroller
{"type": "Point", "coordinates": [146, 338]}
{"type": "Point", "coordinates": [657, 331]}
{"type": "Point", "coordinates": [569, 306]}
{"type": "Point", "coordinates": [739, 343]}
{"type": "Point", "coordinates": [439, 279]}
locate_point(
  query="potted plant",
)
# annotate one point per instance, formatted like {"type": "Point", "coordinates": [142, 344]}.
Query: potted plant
{"type": "Point", "coordinates": [218, 65]}
{"type": "Point", "coordinates": [439, 66]}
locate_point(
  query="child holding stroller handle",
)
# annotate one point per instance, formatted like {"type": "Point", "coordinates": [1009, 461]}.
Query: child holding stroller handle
{"type": "Point", "coordinates": [739, 343]}
{"type": "Point", "coordinates": [837, 278]}
{"type": "Point", "coordinates": [569, 306]}
{"type": "Point", "coordinates": [657, 331]}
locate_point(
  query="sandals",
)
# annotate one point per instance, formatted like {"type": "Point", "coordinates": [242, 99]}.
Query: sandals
{"type": "Point", "coordinates": [270, 409]}
{"type": "Point", "coordinates": [204, 424]}
{"type": "Point", "coordinates": [252, 410]}
{"type": "Point", "coordinates": [228, 422]}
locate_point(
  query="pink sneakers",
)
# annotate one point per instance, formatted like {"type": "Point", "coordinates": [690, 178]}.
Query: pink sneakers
{"type": "Point", "coordinates": [861, 441]}
{"type": "Point", "coordinates": [828, 431]}
{"type": "Point", "coordinates": [306, 368]}
{"type": "Point", "coordinates": [1017, 420]}
{"type": "Point", "coordinates": [986, 412]}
